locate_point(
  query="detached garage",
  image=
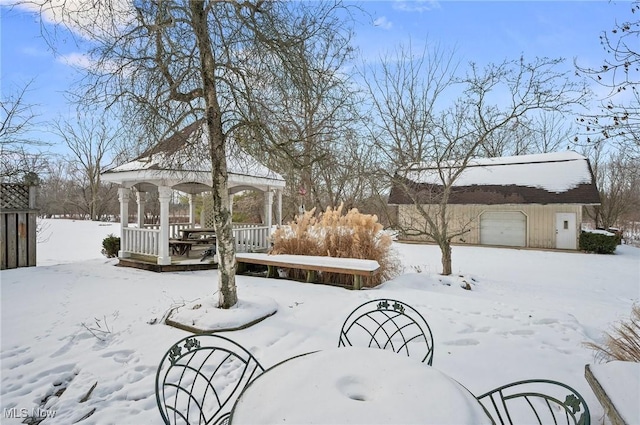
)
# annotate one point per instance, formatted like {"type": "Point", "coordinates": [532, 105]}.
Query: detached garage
{"type": "Point", "coordinates": [531, 201]}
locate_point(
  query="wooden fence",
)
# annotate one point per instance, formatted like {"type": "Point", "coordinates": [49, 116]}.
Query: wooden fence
{"type": "Point", "coordinates": [17, 226]}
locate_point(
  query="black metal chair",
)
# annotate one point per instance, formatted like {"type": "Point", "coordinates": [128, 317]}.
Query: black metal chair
{"type": "Point", "coordinates": [200, 377]}
{"type": "Point", "coordinates": [535, 401]}
{"type": "Point", "coordinates": [390, 325]}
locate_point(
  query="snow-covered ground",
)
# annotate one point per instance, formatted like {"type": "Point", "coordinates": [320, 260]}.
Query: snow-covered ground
{"type": "Point", "coordinates": [527, 316]}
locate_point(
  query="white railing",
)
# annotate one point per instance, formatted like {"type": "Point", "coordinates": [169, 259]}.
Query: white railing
{"type": "Point", "coordinates": [140, 241]}
{"type": "Point", "coordinates": [174, 228]}
{"type": "Point", "coordinates": [246, 225]}
{"type": "Point", "coordinates": [251, 239]}
{"type": "Point", "coordinates": [248, 237]}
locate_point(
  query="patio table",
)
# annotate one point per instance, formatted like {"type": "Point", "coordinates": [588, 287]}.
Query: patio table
{"type": "Point", "coordinates": [206, 232]}
{"type": "Point", "coordinates": [352, 385]}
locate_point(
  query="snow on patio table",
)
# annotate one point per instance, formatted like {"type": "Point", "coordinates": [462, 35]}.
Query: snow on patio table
{"type": "Point", "coordinates": [355, 385]}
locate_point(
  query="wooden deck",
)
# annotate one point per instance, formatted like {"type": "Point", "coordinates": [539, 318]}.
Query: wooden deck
{"type": "Point", "coordinates": [311, 264]}
{"type": "Point", "coordinates": [178, 264]}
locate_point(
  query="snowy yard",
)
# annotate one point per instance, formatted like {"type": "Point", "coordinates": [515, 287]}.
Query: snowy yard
{"type": "Point", "coordinates": [527, 316]}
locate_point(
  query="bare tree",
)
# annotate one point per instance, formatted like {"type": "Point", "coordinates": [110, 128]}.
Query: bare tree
{"type": "Point", "coordinates": [310, 108]}
{"type": "Point", "coordinates": [617, 176]}
{"type": "Point", "coordinates": [20, 154]}
{"type": "Point", "coordinates": [404, 90]}
{"type": "Point", "coordinates": [539, 133]}
{"type": "Point", "coordinates": [172, 63]}
{"type": "Point", "coordinates": [619, 118]}
{"type": "Point", "coordinates": [55, 192]}
{"type": "Point", "coordinates": [428, 144]}
{"type": "Point", "coordinates": [91, 140]}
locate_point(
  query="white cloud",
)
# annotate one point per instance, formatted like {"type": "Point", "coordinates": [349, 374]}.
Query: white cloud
{"type": "Point", "coordinates": [416, 5]}
{"type": "Point", "coordinates": [78, 15]}
{"type": "Point", "coordinates": [77, 60]}
{"type": "Point", "coordinates": [80, 60]}
{"type": "Point", "coordinates": [383, 23]}
{"type": "Point", "coordinates": [34, 52]}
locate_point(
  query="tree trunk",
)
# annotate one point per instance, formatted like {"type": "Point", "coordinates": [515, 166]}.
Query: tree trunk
{"type": "Point", "coordinates": [228, 296]}
{"type": "Point", "coordinates": [445, 248]}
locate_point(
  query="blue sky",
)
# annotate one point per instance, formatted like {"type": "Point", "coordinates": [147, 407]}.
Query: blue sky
{"type": "Point", "coordinates": [481, 31]}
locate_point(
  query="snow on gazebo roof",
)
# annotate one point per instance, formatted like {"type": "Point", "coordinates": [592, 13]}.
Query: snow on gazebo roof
{"type": "Point", "coordinates": [184, 156]}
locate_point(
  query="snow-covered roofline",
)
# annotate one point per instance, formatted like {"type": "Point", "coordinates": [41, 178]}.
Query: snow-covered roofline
{"type": "Point", "coordinates": [554, 172]}
{"type": "Point", "coordinates": [188, 151]}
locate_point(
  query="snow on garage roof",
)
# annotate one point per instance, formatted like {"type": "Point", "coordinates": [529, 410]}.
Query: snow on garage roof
{"type": "Point", "coordinates": [554, 172]}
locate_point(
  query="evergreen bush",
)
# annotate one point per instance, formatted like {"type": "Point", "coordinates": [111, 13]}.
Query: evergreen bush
{"type": "Point", "coordinates": [111, 246]}
{"type": "Point", "coordinates": [598, 242]}
{"type": "Point", "coordinates": [332, 234]}
{"type": "Point", "coordinates": [617, 233]}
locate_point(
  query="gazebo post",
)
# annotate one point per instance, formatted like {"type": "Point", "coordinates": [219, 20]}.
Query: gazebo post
{"type": "Point", "coordinates": [123, 197]}
{"type": "Point", "coordinates": [192, 210]}
{"type": "Point", "coordinates": [140, 201]}
{"type": "Point", "coordinates": [231, 196]}
{"type": "Point", "coordinates": [279, 207]}
{"type": "Point", "coordinates": [164, 195]}
{"type": "Point", "coordinates": [268, 205]}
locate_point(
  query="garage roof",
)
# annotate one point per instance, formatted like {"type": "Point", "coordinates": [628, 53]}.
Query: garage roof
{"type": "Point", "coordinates": [561, 177]}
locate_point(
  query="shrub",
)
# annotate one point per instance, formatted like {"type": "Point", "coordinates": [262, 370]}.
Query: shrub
{"type": "Point", "coordinates": [617, 233]}
{"type": "Point", "coordinates": [111, 246]}
{"type": "Point", "coordinates": [332, 234]}
{"type": "Point", "coordinates": [598, 242]}
{"type": "Point", "coordinates": [624, 344]}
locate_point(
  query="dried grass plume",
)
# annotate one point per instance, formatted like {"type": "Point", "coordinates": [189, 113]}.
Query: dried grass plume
{"type": "Point", "coordinates": [332, 234]}
{"type": "Point", "coordinates": [624, 341]}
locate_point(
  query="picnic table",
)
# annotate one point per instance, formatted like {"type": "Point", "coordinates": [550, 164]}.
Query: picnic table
{"type": "Point", "coordinates": [199, 233]}
{"type": "Point", "coordinates": [181, 246]}
{"type": "Point", "coordinates": [190, 237]}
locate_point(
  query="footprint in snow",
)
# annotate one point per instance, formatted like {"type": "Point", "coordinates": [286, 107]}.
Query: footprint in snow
{"type": "Point", "coordinates": [462, 342]}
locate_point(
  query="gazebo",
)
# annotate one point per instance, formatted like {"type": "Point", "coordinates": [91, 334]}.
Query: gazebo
{"type": "Point", "coordinates": [182, 163]}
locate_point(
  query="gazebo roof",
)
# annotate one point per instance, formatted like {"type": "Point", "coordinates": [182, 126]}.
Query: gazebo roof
{"type": "Point", "coordinates": [182, 161]}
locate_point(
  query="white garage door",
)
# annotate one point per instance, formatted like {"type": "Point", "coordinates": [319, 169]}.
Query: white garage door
{"type": "Point", "coordinates": [503, 228]}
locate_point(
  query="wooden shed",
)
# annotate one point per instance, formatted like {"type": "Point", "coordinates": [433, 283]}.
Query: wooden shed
{"type": "Point", "coordinates": [531, 201]}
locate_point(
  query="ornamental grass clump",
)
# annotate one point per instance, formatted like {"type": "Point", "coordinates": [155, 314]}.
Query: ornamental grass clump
{"type": "Point", "coordinates": [623, 343]}
{"type": "Point", "coordinates": [297, 237]}
{"type": "Point", "coordinates": [332, 234]}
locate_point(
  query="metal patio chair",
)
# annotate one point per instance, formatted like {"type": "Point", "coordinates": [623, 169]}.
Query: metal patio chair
{"type": "Point", "coordinates": [535, 401]}
{"type": "Point", "coordinates": [200, 377]}
{"type": "Point", "coordinates": [390, 325]}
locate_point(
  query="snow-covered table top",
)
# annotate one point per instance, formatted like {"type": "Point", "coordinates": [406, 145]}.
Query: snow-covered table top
{"type": "Point", "coordinates": [352, 385]}
{"type": "Point", "coordinates": [312, 260]}
{"type": "Point", "coordinates": [621, 382]}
